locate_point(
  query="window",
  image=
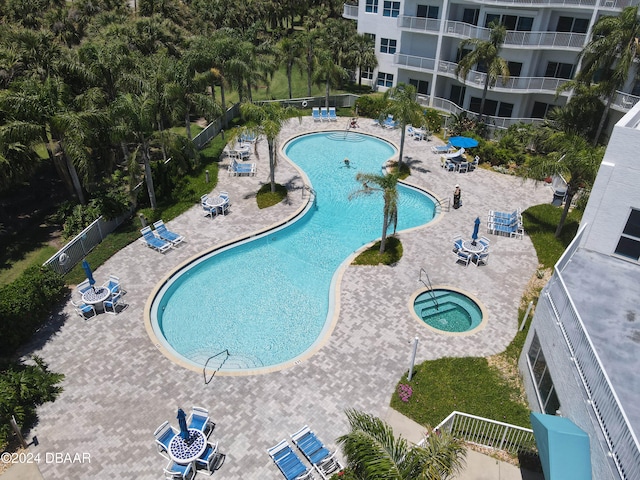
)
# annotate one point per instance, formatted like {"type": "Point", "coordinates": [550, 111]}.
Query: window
{"type": "Point", "coordinates": [570, 24]}
{"type": "Point", "coordinates": [514, 68]}
{"type": "Point", "coordinates": [460, 54]}
{"type": "Point", "coordinates": [422, 86]}
{"type": "Point", "coordinates": [629, 243]}
{"type": "Point", "coordinates": [540, 109]}
{"type": "Point", "coordinates": [471, 15]}
{"type": "Point", "coordinates": [385, 79]}
{"type": "Point", "coordinates": [387, 45]}
{"type": "Point", "coordinates": [542, 378]}
{"type": "Point", "coordinates": [505, 110]}
{"type": "Point", "coordinates": [457, 94]}
{"type": "Point", "coordinates": [371, 6]}
{"type": "Point", "coordinates": [490, 106]}
{"type": "Point", "coordinates": [511, 22]}
{"type": "Point", "coordinates": [391, 9]}
{"type": "Point", "coordinates": [524, 24]}
{"type": "Point", "coordinates": [427, 11]}
{"type": "Point", "coordinates": [559, 70]}
{"type": "Point", "coordinates": [367, 73]}
{"type": "Point", "coordinates": [491, 17]}
{"type": "Point", "coordinates": [370, 36]}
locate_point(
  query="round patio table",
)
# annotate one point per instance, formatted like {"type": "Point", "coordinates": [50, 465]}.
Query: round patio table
{"type": "Point", "coordinates": [186, 451]}
{"type": "Point", "coordinates": [471, 248]}
{"type": "Point", "coordinates": [95, 296]}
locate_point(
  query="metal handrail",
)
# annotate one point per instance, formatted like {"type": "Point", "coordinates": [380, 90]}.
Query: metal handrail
{"type": "Point", "coordinates": [204, 369]}
{"type": "Point", "coordinates": [429, 286]}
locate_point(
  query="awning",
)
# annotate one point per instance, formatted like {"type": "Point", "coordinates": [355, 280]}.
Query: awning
{"type": "Point", "coordinates": [563, 448]}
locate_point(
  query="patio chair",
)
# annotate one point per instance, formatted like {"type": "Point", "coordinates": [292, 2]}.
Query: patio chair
{"type": "Point", "coordinates": [154, 242]}
{"type": "Point", "coordinates": [462, 258]}
{"type": "Point", "coordinates": [227, 203]}
{"type": "Point", "coordinates": [199, 419]}
{"type": "Point", "coordinates": [288, 462]}
{"type": "Point", "coordinates": [209, 211]}
{"type": "Point", "coordinates": [163, 435]}
{"type": "Point", "coordinates": [410, 130]}
{"type": "Point", "coordinates": [314, 450]}
{"type": "Point", "coordinates": [481, 259]}
{"type": "Point", "coordinates": [175, 470]}
{"type": "Point", "coordinates": [447, 164]}
{"type": "Point", "coordinates": [315, 113]}
{"type": "Point", "coordinates": [83, 286]}
{"type": "Point", "coordinates": [476, 161]}
{"type": "Point", "coordinates": [484, 241]}
{"type": "Point", "coordinates": [324, 114]}
{"type": "Point", "coordinates": [113, 285]}
{"type": "Point", "coordinates": [332, 114]}
{"type": "Point", "coordinates": [210, 460]}
{"type": "Point", "coordinates": [110, 305]}
{"type": "Point", "coordinates": [84, 309]}
{"type": "Point", "coordinates": [164, 234]}
{"type": "Point", "coordinates": [457, 243]}
{"type": "Point", "coordinates": [463, 167]}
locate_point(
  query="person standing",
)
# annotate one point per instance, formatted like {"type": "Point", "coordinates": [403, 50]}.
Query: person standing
{"type": "Point", "coordinates": [456, 197]}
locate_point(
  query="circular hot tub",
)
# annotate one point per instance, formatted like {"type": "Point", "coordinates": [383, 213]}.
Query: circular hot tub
{"type": "Point", "coordinates": [448, 311]}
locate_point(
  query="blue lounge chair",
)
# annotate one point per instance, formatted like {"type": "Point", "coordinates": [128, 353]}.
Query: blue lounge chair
{"type": "Point", "coordinates": [164, 234]}
{"type": "Point", "coordinates": [442, 148]}
{"type": "Point", "coordinates": [324, 114]}
{"type": "Point", "coordinates": [154, 242]}
{"type": "Point", "coordinates": [314, 450]}
{"type": "Point", "coordinates": [288, 462]}
{"type": "Point", "coordinates": [315, 113]}
{"type": "Point", "coordinates": [238, 168]}
{"type": "Point", "coordinates": [332, 114]}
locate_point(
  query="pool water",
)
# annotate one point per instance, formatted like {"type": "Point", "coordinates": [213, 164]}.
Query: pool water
{"type": "Point", "coordinates": [447, 310]}
{"type": "Point", "coordinates": [267, 300]}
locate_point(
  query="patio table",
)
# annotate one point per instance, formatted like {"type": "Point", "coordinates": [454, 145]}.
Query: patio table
{"type": "Point", "coordinates": [96, 296]}
{"type": "Point", "coordinates": [216, 202]}
{"type": "Point", "coordinates": [186, 451]}
{"type": "Point", "coordinates": [471, 248]}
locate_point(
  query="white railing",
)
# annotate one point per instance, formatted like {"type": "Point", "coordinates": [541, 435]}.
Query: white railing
{"type": "Point", "coordinates": [413, 61]}
{"type": "Point", "coordinates": [420, 24]}
{"type": "Point", "coordinates": [489, 433]}
{"type": "Point", "coordinates": [350, 11]}
{"type": "Point", "coordinates": [624, 101]}
{"type": "Point", "coordinates": [622, 443]}
{"type": "Point", "coordinates": [516, 38]}
{"type": "Point", "coordinates": [567, 3]}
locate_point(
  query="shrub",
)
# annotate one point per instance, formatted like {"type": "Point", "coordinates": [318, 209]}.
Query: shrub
{"type": "Point", "coordinates": [433, 120]}
{"type": "Point", "coordinates": [25, 304]}
{"type": "Point", "coordinates": [371, 105]}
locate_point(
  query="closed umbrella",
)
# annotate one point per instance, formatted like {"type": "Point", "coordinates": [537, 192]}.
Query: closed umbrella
{"type": "Point", "coordinates": [463, 142]}
{"type": "Point", "coordinates": [476, 228]}
{"type": "Point", "coordinates": [182, 421]}
{"type": "Point", "coordinates": [88, 272]}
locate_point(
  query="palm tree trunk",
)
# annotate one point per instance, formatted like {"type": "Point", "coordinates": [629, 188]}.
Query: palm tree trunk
{"type": "Point", "coordinates": [565, 212]}
{"type": "Point", "coordinates": [249, 91]}
{"type": "Point", "coordinates": [484, 97]}
{"type": "Point", "coordinates": [402, 134]}
{"type": "Point", "coordinates": [60, 167]}
{"type": "Point", "coordinates": [272, 165]}
{"type": "Point", "coordinates": [187, 123]}
{"type": "Point", "coordinates": [289, 70]}
{"type": "Point", "coordinates": [602, 120]}
{"type": "Point", "coordinates": [148, 176]}
{"type": "Point", "coordinates": [326, 94]}
{"type": "Point", "coordinates": [385, 225]}
{"type": "Point", "coordinates": [223, 102]}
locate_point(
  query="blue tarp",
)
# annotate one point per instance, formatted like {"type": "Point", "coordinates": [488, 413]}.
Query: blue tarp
{"type": "Point", "coordinates": [563, 448]}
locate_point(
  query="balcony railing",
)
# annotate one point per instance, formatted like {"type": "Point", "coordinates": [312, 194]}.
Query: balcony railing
{"type": "Point", "coordinates": [516, 38]}
{"type": "Point", "coordinates": [624, 101]}
{"type": "Point", "coordinates": [420, 24]}
{"type": "Point", "coordinates": [415, 62]}
{"type": "Point", "coordinates": [623, 446]}
{"type": "Point", "coordinates": [489, 433]}
{"type": "Point", "coordinates": [350, 11]}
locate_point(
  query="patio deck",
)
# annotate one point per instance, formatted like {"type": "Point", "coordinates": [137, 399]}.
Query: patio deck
{"type": "Point", "coordinates": [119, 387]}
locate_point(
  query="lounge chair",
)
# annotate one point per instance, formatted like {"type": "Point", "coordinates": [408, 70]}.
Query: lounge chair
{"type": "Point", "coordinates": [84, 309]}
{"type": "Point", "coordinates": [236, 168]}
{"type": "Point", "coordinates": [288, 462]}
{"type": "Point", "coordinates": [314, 450]}
{"type": "Point", "coordinates": [442, 148]}
{"type": "Point", "coordinates": [154, 242]}
{"type": "Point", "coordinates": [389, 122]}
{"type": "Point", "coordinates": [332, 114]}
{"type": "Point", "coordinates": [175, 470]}
{"type": "Point", "coordinates": [315, 113]}
{"type": "Point", "coordinates": [324, 114]}
{"type": "Point", "coordinates": [199, 419]}
{"type": "Point", "coordinates": [248, 137]}
{"type": "Point", "coordinates": [164, 234]}
{"type": "Point", "coordinates": [210, 460]}
{"type": "Point", "coordinates": [163, 435]}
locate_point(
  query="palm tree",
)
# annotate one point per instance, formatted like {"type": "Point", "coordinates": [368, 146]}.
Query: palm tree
{"type": "Point", "coordinates": [374, 453]}
{"type": "Point", "coordinates": [289, 51]}
{"type": "Point", "coordinates": [575, 160]}
{"type": "Point", "coordinates": [487, 54]}
{"type": "Point", "coordinates": [363, 55]}
{"type": "Point", "coordinates": [405, 110]}
{"type": "Point", "coordinates": [612, 53]}
{"type": "Point", "coordinates": [327, 71]}
{"type": "Point", "coordinates": [387, 184]}
{"type": "Point", "coordinates": [268, 119]}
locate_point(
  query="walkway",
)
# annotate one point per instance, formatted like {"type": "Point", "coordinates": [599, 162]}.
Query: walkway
{"type": "Point", "coordinates": [119, 388]}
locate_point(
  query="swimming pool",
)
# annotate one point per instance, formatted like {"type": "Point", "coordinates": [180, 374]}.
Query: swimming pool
{"type": "Point", "coordinates": [269, 299]}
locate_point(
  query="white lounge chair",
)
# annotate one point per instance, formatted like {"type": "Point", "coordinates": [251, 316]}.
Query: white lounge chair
{"type": "Point", "coordinates": [324, 114]}
{"type": "Point", "coordinates": [236, 168]}
{"type": "Point", "coordinates": [154, 242]}
{"type": "Point", "coordinates": [315, 113]}
{"type": "Point", "coordinates": [442, 148]}
{"type": "Point", "coordinates": [332, 114]}
{"type": "Point", "coordinates": [315, 452]}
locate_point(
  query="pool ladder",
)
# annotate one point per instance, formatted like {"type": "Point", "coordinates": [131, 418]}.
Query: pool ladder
{"type": "Point", "coordinates": [429, 286]}
{"type": "Point", "coordinates": [204, 369]}
{"type": "Point", "coordinates": [311, 191]}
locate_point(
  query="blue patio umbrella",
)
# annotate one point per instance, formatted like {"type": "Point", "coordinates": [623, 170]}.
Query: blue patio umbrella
{"type": "Point", "coordinates": [463, 142]}
{"type": "Point", "coordinates": [88, 272]}
{"type": "Point", "coordinates": [182, 421]}
{"type": "Point", "coordinates": [476, 227]}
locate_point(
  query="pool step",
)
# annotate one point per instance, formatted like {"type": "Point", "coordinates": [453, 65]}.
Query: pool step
{"type": "Point", "coordinates": [347, 137]}
{"type": "Point", "coordinates": [242, 362]}
{"type": "Point", "coordinates": [431, 310]}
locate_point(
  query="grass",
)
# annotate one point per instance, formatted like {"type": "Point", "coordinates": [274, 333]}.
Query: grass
{"type": "Point", "coordinates": [34, 256]}
{"type": "Point", "coordinates": [472, 384]}
{"type": "Point", "coordinates": [265, 198]}
{"type": "Point", "coordinates": [371, 256]}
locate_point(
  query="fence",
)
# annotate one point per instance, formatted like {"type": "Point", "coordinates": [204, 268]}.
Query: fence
{"type": "Point", "coordinates": [78, 248]}
{"type": "Point", "coordinates": [346, 100]}
{"type": "Point", "coordinates": [489, 433]}
{"type": "Point", "coordinates": [211, 130]}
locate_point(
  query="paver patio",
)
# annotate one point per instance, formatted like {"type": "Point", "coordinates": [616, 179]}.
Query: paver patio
{"type": "Point", "coordinates": [118, 387]}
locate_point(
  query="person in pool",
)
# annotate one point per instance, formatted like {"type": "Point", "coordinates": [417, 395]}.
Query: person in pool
{"type": "Point", "coordinates": [347, 163]}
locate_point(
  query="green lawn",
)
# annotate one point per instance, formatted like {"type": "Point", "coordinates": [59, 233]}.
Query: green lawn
{"type": "Point", "coordinates": [471, 385]}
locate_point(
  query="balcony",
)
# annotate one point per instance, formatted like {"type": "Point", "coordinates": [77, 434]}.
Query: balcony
{"type": "Point", "coordinates": [420, 64]}
{"type": "Point", "coordinates": [350, 12]}
{"type": "Point", "coordinates": [624, 101]}
{"type": "Point", "coordinates": [418, 24]}
{"type": "Point", "coordinates": [516, 39]}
